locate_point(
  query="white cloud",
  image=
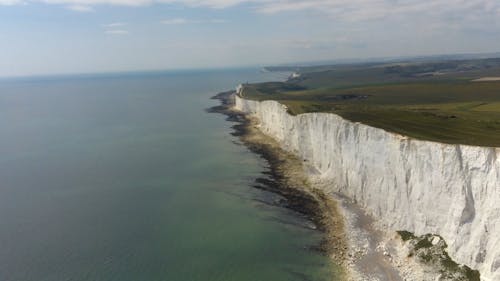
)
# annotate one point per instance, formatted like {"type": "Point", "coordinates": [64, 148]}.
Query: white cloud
{"type": "Point", "coordinates": [10, 2]}
{"type": "Point", "coordinates": [97, 2]}
{"type": "Point", "coordinates": [377, 9]}
{"type": "Point", "coordinates": [114, 24]}
{"type": "Point", "coordinates": [175, 21]}
{"type": "Point", "coordinates": [217, 4]}
{"type": "Point", "coordinates": [80, 8]}
{"type": "Point", "coordinates": [78, 4]}
{"type": "Point", "coordinates": [339, 10]}
{"type": "Point", "coordinates": [115, 28]}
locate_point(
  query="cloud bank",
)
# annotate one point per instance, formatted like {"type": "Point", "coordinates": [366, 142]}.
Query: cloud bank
{"type": "Point", "coordinates": [374, 7]}
{"type": "Point", "coordinates": [434, 14]}
{"type": "Point", "coordinates": [346, 9]}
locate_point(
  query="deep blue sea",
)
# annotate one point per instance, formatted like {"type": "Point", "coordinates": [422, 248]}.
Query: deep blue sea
{"type": "Point", "coordinates": [126, 177]}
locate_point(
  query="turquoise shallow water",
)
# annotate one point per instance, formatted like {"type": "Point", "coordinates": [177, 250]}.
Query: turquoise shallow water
{"type": "Point", "coordinates": [128, 178]}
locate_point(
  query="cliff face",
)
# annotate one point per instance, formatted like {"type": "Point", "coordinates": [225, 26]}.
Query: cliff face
{"type": "Point", "coordinates": [406, 184]}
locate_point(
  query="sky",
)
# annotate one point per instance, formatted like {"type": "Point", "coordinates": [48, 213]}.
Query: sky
{"type": "Point", "coordinates": [43, 37]}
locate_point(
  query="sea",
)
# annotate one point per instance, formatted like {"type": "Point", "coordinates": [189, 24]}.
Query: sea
{"type": "Point", "coordinates": [126, 177]}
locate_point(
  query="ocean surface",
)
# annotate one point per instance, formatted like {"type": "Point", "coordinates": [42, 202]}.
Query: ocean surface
{"type": "Point", "coordinates": [125, 177]}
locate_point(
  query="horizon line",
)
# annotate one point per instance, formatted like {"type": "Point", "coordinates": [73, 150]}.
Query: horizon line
{"type": "Point", "coordinates": [340, 61]}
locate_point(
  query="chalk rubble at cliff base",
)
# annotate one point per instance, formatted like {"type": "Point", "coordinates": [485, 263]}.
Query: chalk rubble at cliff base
{"type": "Point", "coordinates": [405, 184]}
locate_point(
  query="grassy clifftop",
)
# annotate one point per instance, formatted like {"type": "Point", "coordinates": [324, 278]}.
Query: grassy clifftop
{"type": "Point", "coordinates": [437, 102]}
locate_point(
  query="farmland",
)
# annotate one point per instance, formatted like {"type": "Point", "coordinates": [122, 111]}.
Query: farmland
{"type": "Point", "coordinates": [439, 101]}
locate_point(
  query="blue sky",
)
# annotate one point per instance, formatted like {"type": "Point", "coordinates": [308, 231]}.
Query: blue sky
{"type": "Point", "coordinates": [82, 36]}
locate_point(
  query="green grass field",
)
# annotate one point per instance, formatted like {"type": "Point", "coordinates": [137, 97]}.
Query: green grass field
{"type": "Point", "coordinates": [448, 109]}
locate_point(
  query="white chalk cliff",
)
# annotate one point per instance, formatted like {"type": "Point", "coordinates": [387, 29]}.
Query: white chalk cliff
{"type": "Point", "coordinates": [406, 184]}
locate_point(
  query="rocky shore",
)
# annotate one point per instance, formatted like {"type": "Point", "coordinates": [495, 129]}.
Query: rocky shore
{"type": "Point", "coordinates": [287, 179]}
{"type": "Point", "coordinates": [352, 238]}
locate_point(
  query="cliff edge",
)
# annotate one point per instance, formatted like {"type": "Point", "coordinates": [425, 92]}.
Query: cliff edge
{"type": "Point", "coordinates": [406, 184]}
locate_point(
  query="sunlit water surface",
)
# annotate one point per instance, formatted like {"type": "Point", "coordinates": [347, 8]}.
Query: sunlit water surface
{"type": "Point", "coordinates": [126, 177]}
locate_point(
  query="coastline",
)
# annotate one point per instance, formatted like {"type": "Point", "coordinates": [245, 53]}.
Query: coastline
{"type": "Point", "coordinates": [370, 251]}
{"type": "Point", "coordinates": [395, 243]}
{"type": "Point", "coordinates": [358, 254]}
{"type": "Point", "coordinates": [288, 180]}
